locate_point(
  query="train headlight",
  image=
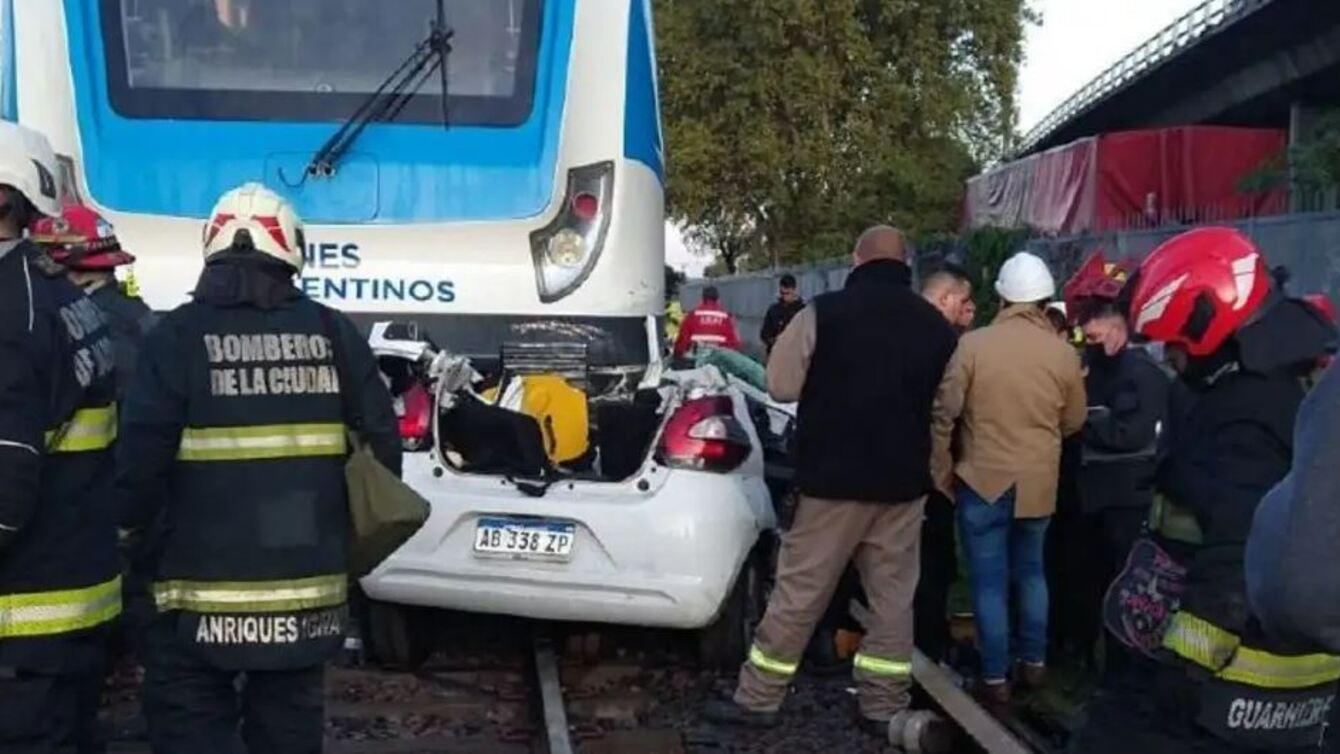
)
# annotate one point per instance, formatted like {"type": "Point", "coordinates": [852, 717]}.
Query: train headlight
{"type": "Point", "coordinates": [566, 250]}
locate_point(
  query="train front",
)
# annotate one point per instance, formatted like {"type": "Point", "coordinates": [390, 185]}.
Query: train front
{"type": "Point", "coordinates": [530, 206]}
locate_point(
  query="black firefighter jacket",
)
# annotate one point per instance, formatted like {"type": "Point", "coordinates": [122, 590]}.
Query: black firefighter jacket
{"type": "Point", "coordinates": [1232, 442]}
{"type": "Point", "coordinates": [1233, 445]}
{"type": "Point", "coordinates": [129, 320]}
{"type": "Point", "coordinates": [232, 447]}
{"type": "Point", "coordinates": [1230, 448]}
{"type": "Point", "coordinates": [58, 567]}
{"type": "Point", "coordinates": [1118, 455]}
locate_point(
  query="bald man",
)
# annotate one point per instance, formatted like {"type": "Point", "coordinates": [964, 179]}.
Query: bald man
{"type": "Point", "coordinates": [864, 363]}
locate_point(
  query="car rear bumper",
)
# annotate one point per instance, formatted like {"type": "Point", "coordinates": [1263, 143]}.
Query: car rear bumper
{"type": "Point", "coordinates": [665, 556]}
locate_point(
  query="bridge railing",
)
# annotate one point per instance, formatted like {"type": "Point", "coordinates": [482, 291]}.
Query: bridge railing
{"type": "Point", "coordinates": [1203, 20]}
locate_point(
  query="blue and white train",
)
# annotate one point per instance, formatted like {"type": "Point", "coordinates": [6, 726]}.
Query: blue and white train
{"type": "Point", "coordinates": [534, 204]}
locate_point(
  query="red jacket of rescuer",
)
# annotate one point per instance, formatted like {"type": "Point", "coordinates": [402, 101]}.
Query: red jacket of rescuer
{"type": "Point", "coordinates": [708, 325]}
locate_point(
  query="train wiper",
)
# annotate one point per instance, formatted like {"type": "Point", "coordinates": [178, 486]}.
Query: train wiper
{"type": "Point", "coordinates": [386, 103]}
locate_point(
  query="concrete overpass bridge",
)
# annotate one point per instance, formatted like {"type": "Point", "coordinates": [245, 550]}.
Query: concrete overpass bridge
{"type": "Point", "coordinates": [1263, 63]}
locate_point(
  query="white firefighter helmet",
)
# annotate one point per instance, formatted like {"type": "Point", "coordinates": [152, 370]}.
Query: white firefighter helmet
{"type": "Point", "coordinates": [28, 163]}
{"type": "Point", "coordinates": [253, 216]}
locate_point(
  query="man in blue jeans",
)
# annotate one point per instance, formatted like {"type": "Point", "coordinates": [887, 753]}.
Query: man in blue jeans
{"type": "Point", "coordinates": [1012, 391]}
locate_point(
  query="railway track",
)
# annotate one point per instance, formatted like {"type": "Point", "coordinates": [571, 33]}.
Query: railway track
{"type": "Point", "coordinates": [521, 690]}
{"type": "Point", "coordinates": [537, 694]}
{"type": "Point", "coordinates": [575, 696]}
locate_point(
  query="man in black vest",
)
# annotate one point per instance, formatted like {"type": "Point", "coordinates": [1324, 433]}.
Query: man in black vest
{"type": "Point", "coordinates": [232, 455]}
{"type": "Point", "coordinates": [865, 363]}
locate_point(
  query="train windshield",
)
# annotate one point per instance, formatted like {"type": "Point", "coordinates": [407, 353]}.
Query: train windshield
{"type": "Point", "coordinates": [315, 60]}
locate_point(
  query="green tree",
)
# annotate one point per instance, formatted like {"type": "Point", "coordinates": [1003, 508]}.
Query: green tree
{"type": "Point", "coordinates": [792, 124]}
{"type": "Point", "coordinates": [986, 250]}
{"type": "Point", "coordinates": [1309, 168]}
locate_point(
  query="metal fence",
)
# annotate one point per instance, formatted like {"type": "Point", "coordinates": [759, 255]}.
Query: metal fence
{"type": "Point", "coordinates": [1308, 245]}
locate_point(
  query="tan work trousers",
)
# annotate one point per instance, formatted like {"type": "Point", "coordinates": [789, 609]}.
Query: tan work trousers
{"type": "Point", "coordinates": [885, 542]}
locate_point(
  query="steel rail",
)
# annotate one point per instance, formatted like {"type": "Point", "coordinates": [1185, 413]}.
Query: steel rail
{"type": "Point", "coordinates": [551, 698]}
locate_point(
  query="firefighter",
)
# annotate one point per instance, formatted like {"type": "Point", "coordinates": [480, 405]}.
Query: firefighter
{"type": "Point", "coordinates": [85, 244]}
{"type": "Point", "coordinates": [1241, 348]}
{"type": "Point", "coordinates": [235, 433]}
{"type": "Point", "coordinates": [1128, 397]}
{"type": "Point", "coordinates": [59, 587]}
{"type": "Point", "coordinates": [707, 325]}
{"type": "Point", "coordinates": [82, 242]}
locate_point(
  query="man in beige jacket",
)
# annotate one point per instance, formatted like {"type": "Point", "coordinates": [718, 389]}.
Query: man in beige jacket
{"type": "Point", "coordinates": [1012, 390]}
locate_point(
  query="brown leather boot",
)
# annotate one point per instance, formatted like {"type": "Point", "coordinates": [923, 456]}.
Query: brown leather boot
{"type": "Point", "coordinates": [995, 696]}
{"type": "Point", "coordinates": [1031, 676]}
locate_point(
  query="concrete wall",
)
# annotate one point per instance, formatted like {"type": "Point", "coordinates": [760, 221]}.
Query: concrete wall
{"type": "Point", "coordinates": [748, 297]}
{"type": "Point", "coordinates": [1307, 244]}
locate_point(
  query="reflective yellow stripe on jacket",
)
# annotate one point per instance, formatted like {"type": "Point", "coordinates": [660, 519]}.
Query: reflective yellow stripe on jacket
{"type": "Point", "coordinates": [1200, 641]}
{"type": "Point", "coordinates": [252, 596]}
{"type": "Point", "coordinates": [89, 430]}
{"type": "Point", "coordinates": [269, 441]}
{"type": "Point", "coordinates": [1221, 652]}
{"type": "Point", "coordinates": [59, 612]}
{"type": "Point", "coordinates": [1257, 668]}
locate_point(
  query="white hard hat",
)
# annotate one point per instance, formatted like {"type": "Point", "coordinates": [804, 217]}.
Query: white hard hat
{"type": "Point", "coordinates": [269, 222]}
{"type": "Point", "coordinates": [28, 163]}
{"type": "Point", "coordinates": [1024, 279]}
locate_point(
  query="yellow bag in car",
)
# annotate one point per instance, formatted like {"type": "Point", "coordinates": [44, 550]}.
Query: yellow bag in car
{"type": "Point", "coordinates": [562, 413]}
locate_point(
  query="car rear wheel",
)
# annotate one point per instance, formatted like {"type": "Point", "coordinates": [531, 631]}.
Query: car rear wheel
{"type": "Point", "coordinates": [398, 636]}
{"type": "Point", "coordinates": [723, 644]}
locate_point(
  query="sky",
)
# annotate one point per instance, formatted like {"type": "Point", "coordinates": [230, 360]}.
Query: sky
{"type": "Point", "coordinates": [1077, 40]}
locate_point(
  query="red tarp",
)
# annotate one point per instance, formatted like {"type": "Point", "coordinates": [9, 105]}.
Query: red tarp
{"type": "Point", "coordinates": [1129, 179]}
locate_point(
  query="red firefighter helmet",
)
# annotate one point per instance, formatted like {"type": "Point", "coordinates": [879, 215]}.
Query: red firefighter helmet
{"type": "Point", "coordinates": [80, 239]}
{"type": "Point", "coordinates": [1096, 281]}
{"type": "Point", "coordinates": [1199, 288]}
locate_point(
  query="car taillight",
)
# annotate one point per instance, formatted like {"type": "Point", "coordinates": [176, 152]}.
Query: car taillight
{"type": "Point", "coordinates": [566, 250]}
{"type": "Point", "coordinates": [704, 435]}
{"type": "Point", "coordinates": [416, 422]}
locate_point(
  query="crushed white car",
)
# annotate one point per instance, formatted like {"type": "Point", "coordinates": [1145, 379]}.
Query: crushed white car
{"type": "Point", "coordinates": [667, 522]}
